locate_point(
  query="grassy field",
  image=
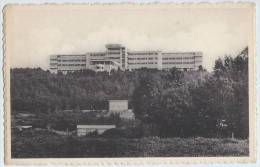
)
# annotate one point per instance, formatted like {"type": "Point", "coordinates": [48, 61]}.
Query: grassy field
{"type": "Point", "coordinates": [51, 145]}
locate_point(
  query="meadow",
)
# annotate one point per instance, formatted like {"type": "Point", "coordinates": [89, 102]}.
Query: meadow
{"type": "Point", "coordinates": [47, 145]}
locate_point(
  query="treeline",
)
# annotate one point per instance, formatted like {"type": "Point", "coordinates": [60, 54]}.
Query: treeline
{"type": "Point", "coordinates": [167, 103]}
{"type": "Point", "coordinates": [216, 107]}
{"type": "Point", "coordinates": [39, 91]}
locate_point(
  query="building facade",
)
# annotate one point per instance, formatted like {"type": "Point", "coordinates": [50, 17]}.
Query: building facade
{"type": "Point", "coordinates": [117, 57]}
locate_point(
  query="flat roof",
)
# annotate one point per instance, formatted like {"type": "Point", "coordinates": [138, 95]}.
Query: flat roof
{"type": "Point", "coordinates": [143, 51]}
{"type": "Point", "coordinates": [113, 45]}
{"type": "Point", "coordinates": [96, 126]}
{"type": "Point", "coordinates": [97, 52]}
{"type": "Point", "coordinates": [117, 100]}
{"type": "Point", "coordinates": [195, 52]}
{"type": "Point", "coordinates": [67, 55]}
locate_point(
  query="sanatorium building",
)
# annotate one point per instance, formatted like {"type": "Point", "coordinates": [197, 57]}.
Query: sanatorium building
{"type": "Point", "coordinates": [117, 57]}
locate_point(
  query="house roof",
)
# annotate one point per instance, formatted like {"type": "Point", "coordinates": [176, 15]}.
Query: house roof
{"type": "Point", "coordinates": [96, 126]}
{"type": "Point", "coordinates": [117, 100]}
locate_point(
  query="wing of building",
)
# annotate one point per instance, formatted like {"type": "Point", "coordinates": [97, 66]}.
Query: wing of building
{"type": "Point", "coordinates": [117, 57]}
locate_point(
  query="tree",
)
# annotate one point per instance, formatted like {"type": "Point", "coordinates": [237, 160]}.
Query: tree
{"type": "Point", "coordinates": [219, 68]}
{"type": "Point", "coordinates": [145, 96]}
{"type": "Point", "coordinates": [146, 99]}
{"type": "Point", "coordinates": [201, 68]}
{"type": "Point", "coordinates": [175, 112]}
{"type": "Point", "coordinates": [176, 75]}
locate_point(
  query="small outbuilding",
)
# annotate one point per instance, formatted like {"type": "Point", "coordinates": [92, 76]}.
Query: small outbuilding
{"type": "Point", "coordinates": [83, 130]}
{"type": "Point", "coordinates": [120, 107]}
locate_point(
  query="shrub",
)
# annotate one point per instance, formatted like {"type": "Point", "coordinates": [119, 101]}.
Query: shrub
{"type": "Point", "coordinates": [123, 133]}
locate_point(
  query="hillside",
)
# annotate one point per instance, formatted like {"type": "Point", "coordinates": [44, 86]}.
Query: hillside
{"type": "Point", "coordinates": [36, 90]}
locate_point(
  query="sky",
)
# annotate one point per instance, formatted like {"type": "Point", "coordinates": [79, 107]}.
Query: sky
{"type": "Point", "coordinates": [35, 32]}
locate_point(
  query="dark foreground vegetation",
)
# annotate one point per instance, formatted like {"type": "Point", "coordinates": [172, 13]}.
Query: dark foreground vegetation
{"type": "Point", "coordinates": [44, 145]}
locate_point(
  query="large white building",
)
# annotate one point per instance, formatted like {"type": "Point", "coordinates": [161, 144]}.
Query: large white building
{"type": "Point", "coordinates": [117, 57]}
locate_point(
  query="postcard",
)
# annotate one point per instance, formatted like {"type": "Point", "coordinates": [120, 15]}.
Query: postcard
{"type": "Point", "coordinates": [129, 83]}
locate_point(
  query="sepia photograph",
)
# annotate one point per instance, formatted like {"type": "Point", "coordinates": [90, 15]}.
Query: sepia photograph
{"type": "Point", "coordinates": [130, 81]}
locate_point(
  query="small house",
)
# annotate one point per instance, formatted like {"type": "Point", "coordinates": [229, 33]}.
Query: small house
{"type": "Point", "coordinates": [83, 130]}
{"type": "Point", "coordinates": [117, 106]}
{"type": "Point", "coordinates": [120, 107]}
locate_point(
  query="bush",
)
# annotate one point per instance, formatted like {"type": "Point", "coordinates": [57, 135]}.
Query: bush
{"type": "Point", "coordinates": [113, 133]}
{"type": "Point", "coordinates": [123, 133]}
